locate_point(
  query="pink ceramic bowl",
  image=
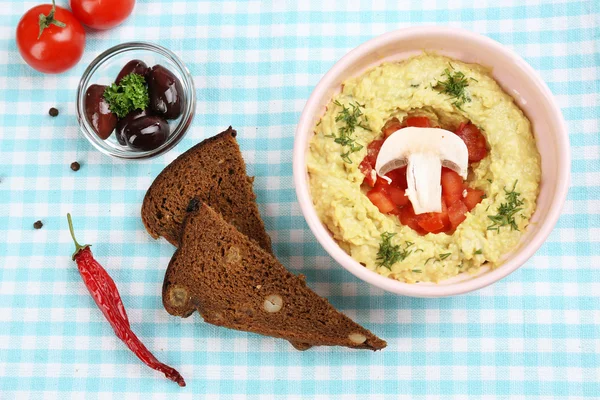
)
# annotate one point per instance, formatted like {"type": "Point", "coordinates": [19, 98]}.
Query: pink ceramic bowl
{"type": "Point", "coordinates": [516, 77]}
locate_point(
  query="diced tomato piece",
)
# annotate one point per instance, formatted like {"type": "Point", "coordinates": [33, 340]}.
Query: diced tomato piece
{"type": "Point", "coordinates": [444, 215]}
{"type": "Point", "coordinates": [419, 122]}
{"type": "Point", "coordinates": [381, 183]}
{"type": "Point", "coordinates": [391, 126]}
{"type": "Point", "coordinates": [368, 163]}
{"type": "Point", "coordinates": [473, 198]}
{"type": "Point", "coordinates": [397, 196]}
{"type": "Point", "coordinates": [431, 222]}
{"type": "Point", "coordinates": [373, 151]}
{"type": "Point", "coordinates": [408, 218]}
{"type": "Point", "coordinates": [398, 177]}
{"type": "Point", "coordinates": [452, 186]}
{"type": "Point", "coordinates": [475, 141]}
{"type": "Point", "coordinates": [381, 200]}
{"type": "Point", "coordinates": [366, 168]}
{"type": "Point", "coordinates": [435, 222]}
{"type": "Point", "coordinates": [456, 213]}
{"type": "Point", "coordinates": [396, 211]}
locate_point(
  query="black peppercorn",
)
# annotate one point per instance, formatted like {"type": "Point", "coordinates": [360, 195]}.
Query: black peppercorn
{"type": "Point", "coordinates": [53, 112]}
{"type": "Point", "coordinates": [38, 224]}
{"type": "Point", "coordinates": [75, 166]}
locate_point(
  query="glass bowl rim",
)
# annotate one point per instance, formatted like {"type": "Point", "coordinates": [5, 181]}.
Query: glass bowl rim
{"type": "Point", "coordinates": [180, 129]}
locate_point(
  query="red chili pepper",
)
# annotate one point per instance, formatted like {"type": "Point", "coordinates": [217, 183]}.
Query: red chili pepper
{"type": "Point", "coordinates": [105, 294]}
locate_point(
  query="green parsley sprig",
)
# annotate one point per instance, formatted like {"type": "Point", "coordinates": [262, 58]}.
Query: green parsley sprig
{"type": "Point", "coordinates": [351, 118]}
{"type": "Point", "coordinates": [454, 86]}
{"type": "Point", "coordinates": [130, 94]}
{"type": "Point", "coordinates": [506, 211]}
{"type": "Point", "coordinates": [390, 254]}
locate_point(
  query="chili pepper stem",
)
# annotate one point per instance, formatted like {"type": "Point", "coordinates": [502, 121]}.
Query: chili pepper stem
{"type": "Point", "coordinates": [78, 247]}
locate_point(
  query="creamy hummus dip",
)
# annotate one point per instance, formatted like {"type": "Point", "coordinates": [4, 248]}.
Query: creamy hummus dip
{"type": "Point", "coordinates": [509, 174]}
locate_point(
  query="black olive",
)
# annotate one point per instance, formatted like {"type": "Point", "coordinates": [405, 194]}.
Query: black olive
{"type": "Point", "coordinates": [136, 66]}
{"type": "Point", "coordinates": [123, 122]}
{"type": "Point", "coordinates": [146, 133]}
{"type": "Point", "coordinates": [165, 91]}
{"type": "Point", "coordinates": [98, 113]}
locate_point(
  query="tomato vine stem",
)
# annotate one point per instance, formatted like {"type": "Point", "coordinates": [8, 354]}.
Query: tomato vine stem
{"type": "Point", "coordinates": [47, 20]}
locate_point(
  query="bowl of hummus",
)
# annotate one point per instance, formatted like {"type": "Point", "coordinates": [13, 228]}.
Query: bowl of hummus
{"type": "Point", "coordinates": [431, 161]}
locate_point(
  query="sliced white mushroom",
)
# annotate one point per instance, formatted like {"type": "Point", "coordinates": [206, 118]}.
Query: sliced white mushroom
{"type": "Point", "coordinates": [424, 151]}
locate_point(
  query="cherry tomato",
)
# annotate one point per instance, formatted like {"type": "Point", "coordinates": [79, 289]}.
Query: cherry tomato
{"type": "Point", "coordinates": [102, 14]}
{"type": "Point", "coordinates": [475, 141]}
{"type": "Point", "coordinates": [53, 43]}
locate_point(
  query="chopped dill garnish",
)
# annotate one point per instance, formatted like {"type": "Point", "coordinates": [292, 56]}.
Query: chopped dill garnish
{"type": "Point", "coordinates": [346, 157]}
{"type": "Point", "coordinates": [319, 123]}
{"type": "Point", "coordinates": [490, 181]}
{"type": "Point", "coordinates": [415, 85]}
{"type": "Point", "coordinates": [454, 86]}
{"type": "Point", "coordinates": [473, 79]}
{"type": "Point", "coordinates": [417, 271]}
{"type": "Point", "coordinates": [480, 251]}
{"type": "Point", "coordinates": [440, 257]}
{"type": "Point", "coordinates": [418, 250]}
{"type": "Point", "coordinates": [506, 211]}
{"type": "Point", "coordinates": [390, 254]}
{"type": "Point", "coordinates": [351, 118]}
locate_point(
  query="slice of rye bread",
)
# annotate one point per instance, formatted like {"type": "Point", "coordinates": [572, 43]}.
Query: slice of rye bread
{"type": "Point", "coordinates": [234, 283]}
{"type": "Point", "coordinates": [212, 172]}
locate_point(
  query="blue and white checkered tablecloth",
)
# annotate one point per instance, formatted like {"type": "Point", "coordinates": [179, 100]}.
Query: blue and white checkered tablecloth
{"type": "Point", "coordinates": [534, 335]}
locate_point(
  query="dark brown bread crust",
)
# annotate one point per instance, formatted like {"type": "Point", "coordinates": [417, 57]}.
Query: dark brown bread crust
{"type": "Point", "coordinates": [212, 172]}
{"type": "Point", "coordinates": [234, 283]}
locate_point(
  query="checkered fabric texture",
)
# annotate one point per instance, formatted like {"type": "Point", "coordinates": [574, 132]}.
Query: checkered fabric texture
{"type": "Point", "coordinates": [534, 335]}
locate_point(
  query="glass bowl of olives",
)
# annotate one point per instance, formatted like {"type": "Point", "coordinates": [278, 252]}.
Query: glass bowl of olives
{"type": "Point", "coordinates": [135, 101]}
